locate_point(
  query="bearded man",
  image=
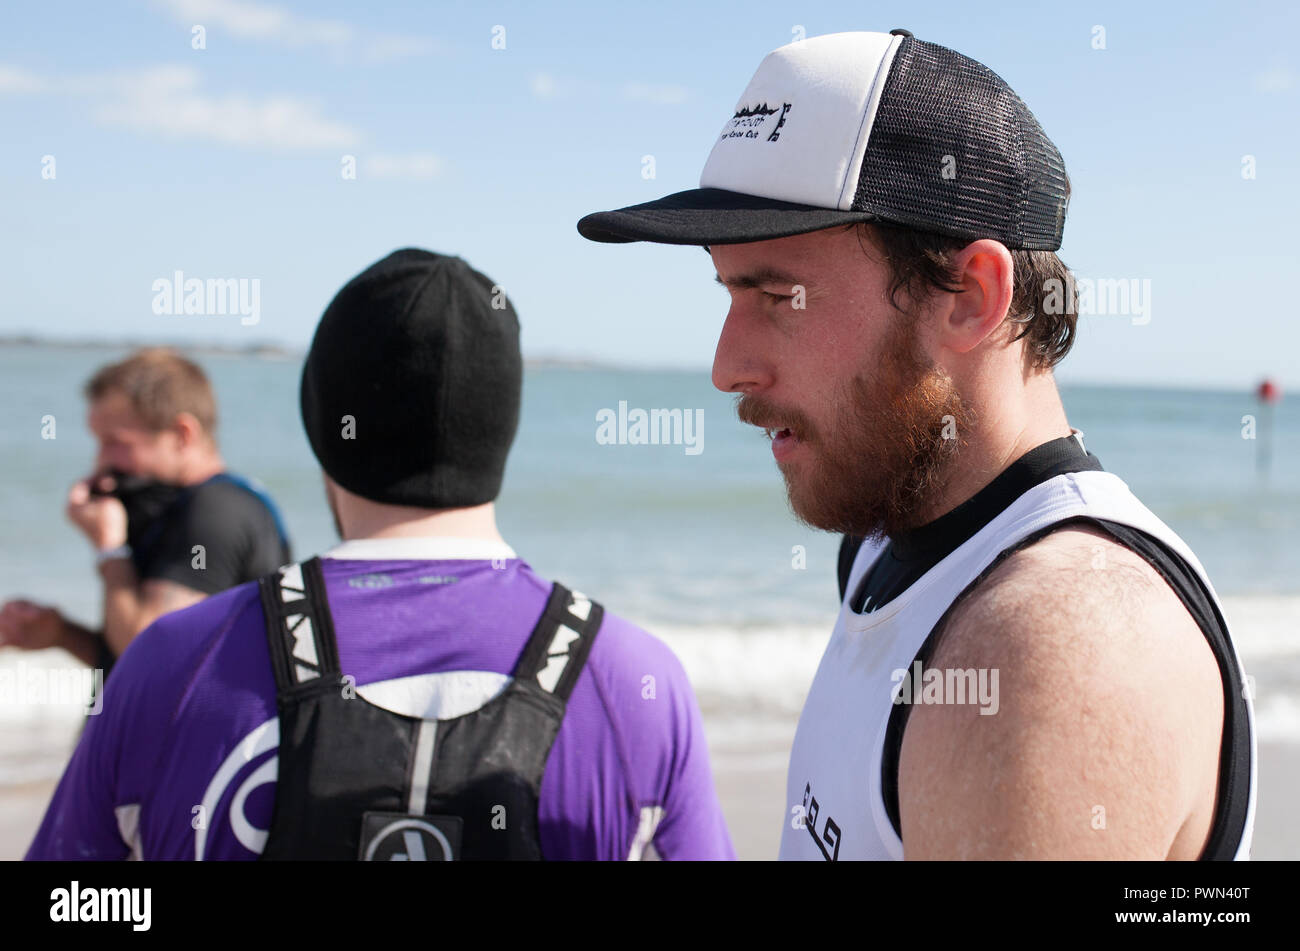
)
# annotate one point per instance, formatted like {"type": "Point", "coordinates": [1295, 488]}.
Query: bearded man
{"type": "Point", "coordinates": [1028, 663]}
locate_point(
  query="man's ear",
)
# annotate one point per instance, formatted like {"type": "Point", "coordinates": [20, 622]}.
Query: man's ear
{"type": "Point", "coordinates": [189, 431]}
{"type": "Point", "coordinates": [987, 278]}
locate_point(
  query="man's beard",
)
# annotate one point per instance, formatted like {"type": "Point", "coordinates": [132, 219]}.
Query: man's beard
{"type": "Point", "coordinates": [881, 466]}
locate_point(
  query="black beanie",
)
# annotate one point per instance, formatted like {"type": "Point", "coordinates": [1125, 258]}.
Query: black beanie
{"type": "Point", "coordinates": [411, 389]}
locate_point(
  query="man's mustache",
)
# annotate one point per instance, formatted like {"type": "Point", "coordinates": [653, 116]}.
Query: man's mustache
{"type": "Point", "coordinates": [765, 414]}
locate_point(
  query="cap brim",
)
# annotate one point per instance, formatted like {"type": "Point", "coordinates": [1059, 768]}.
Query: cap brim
{"type": "Point", "coordinates": [712, 216]}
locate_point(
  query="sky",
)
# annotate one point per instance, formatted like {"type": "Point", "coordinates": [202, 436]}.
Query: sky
{"type": "Point", "coordinates": [140, 138]}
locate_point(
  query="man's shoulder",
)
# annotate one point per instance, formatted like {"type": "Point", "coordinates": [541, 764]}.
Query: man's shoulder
{"type": "Point", "coordinates": [627, 649]}
{"type": "Point", "coordinates": [1078, 607]}
{"type": "Point", "coordinates": [640, 683]}
{"type": "Point", "coordinates": [1106, 687]}
{"type": "Point", "coordinates": [1077, 581]}
{"type": "Point", "coordinates": [241, 537]}
{"type": "Point", "coordinates": [656, 762]}
{"type": "Point", "coordinates": [232, 496]}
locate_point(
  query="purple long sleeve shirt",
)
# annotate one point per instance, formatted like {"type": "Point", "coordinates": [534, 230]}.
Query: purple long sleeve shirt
{"type": "Point", "coordinates": [180, 762]}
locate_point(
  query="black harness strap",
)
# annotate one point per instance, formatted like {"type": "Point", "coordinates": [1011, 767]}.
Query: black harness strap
{"type": "Point", "coordinates": [295, 617]}
{"type": "Point", "coordinates": [356, 780]}
{"type": "Point", "coordinates": [550, 649]}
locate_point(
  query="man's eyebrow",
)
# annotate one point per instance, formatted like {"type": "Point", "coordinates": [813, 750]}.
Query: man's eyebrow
{"type": "Point", "coordinates": [758, 277]}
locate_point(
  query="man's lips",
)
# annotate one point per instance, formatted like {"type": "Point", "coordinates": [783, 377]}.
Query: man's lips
{"type": "Point", "coordinates": [775, 431]}
{"type": "Point", "coordinates": [784, 441]}
{"type": "Point", "coordinates": [785, 433]}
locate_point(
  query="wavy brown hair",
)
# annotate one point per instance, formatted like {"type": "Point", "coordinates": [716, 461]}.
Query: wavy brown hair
{"type": "Point", "coordinates": [160, 384]}
{"type": "Point", "coordinates": [920, 263]}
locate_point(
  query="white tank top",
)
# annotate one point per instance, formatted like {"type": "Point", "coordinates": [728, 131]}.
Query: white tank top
{"type": "Point", "coordinates": [835, 807]}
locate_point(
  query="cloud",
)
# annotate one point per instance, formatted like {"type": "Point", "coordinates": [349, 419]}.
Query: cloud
{"type": "Point", "coordinates": [412, 167]}
{"type": "Point", "coordinates": [260, 21]}
{"type": "Point", "coordinates": [544, 86]}
{"type": "Point", "coordinates": [15, 80]}
{"type": "Point", "coordinates": [1278, 79]}
{"type": "Point", "coordinates": [168, 100]}
{"type": "Point", "coordinates": [264, 22]}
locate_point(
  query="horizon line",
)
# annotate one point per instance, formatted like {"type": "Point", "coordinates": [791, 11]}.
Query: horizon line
{"type": "Point", "coordinates": [270, 348]}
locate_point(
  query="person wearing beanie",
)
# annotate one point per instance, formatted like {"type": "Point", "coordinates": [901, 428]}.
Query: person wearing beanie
{"type": "Point", "coordinates": [1027, 663]}
{"type": "Point", "coordinates": [418, 692]}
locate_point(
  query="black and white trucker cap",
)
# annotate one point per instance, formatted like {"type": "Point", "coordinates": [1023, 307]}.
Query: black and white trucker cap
{"type": "Point", "coordinates": [865, 127]}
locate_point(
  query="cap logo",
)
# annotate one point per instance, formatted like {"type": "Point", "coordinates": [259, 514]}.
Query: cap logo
{"type": "Point", "coordinates": [749, 122]}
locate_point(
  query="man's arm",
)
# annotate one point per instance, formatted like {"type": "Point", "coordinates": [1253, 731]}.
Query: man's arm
{"type": "Point", "coordinates": [30, 626]}
{"type": "Point", "coordinates": [81, 642]}
{"type": "Point", "coordinates": [1109, 709]}
{"type": "Point", "coordinates": [130, 605]}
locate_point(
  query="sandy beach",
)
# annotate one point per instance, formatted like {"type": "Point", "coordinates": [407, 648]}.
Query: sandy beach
{"type": "Point", "coordinates": [750, 728]}
{"type": "Point", "coordinates": [750, 691]}
{"type": "Point", "coordinates": [753, 795]}
{"type": "Point", "coordinates": [751, 785]}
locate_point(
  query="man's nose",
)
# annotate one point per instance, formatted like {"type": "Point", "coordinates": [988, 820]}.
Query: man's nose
{"type": "Point", "coordinates": [107, 460]}
{"type": "Point", "coordinates": [739, 364]}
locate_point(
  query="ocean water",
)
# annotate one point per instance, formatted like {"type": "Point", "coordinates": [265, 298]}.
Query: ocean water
{"type": "Point", "coordinates": [659, 533]}
{"type": "Point", "coordinates": [698, 547]}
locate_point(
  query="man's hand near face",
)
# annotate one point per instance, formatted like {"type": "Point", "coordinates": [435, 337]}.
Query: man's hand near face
{"type": "Point", "coordinates": [129, 605]}
{"type": "Point", "coordinates": [101, 518]}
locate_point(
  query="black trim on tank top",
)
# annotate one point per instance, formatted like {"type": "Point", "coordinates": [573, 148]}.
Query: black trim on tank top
{"type": "Point", "coordinates": [911, 554]}
{"type": "Point", "coordinates": [1233, 794]}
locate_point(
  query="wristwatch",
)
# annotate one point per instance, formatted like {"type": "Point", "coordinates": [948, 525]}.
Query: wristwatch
{"type": "Point", "coordinates": [109, 554]}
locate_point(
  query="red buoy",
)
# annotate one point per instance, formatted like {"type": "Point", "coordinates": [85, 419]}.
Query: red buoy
{"type": "Point", "coordinates": [1269, 392]}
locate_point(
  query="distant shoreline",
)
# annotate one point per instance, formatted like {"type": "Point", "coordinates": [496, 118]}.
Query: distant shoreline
{"type": "Point", "coordinates": [271, 350]}
{"type": "Point", "coordinates": [253, 349]}
{"type": "Point", "coordinates": [266, 350]}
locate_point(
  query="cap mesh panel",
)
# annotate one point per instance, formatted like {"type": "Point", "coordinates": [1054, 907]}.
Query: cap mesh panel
{"type": "Point", "coordinates": [1007, 179]}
